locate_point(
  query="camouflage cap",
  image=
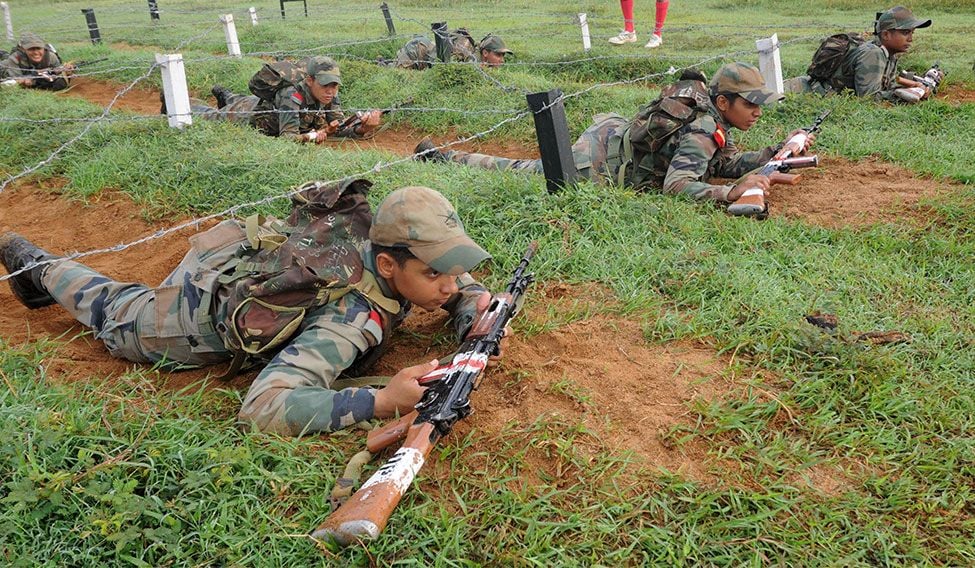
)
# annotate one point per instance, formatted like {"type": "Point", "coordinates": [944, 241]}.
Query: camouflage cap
{"type": "Point", "coordinates": [422, 220]}
{"type": "Point", "coordinates": [324, 69]}
{"type": "Point", "coordinates": [31, 40]}
{"type": "Point", "coordinates": [899, 18]}
{"type": "Point", "coordinates": [493, 43]}
{"type": "Point", "coordinates": [744, 80]}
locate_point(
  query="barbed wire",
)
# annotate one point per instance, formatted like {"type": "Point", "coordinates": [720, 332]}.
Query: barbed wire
{"type": "Point", "coordinates": [90, 125]}
{"type": "Point", "coordinates": [380, 166]}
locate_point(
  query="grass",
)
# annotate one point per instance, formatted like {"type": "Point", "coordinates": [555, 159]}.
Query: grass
{"type": "Point", "coordinates": [124, 473]}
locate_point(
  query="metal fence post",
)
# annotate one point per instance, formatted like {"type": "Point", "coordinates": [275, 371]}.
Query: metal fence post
{"type": "Point", "coordinates": [552, 131]}
{"type": "Point", "coordinates": [96, 36]}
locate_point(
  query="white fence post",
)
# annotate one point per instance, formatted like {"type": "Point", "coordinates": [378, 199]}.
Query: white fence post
{"type": "Point", "coordinates": [6, 20]}
{"type": "Point", "coordinates": [174, 90]}
{"type": "Point", "coordinates": [230, 30]}
{"type": "Point", "coordinates": [770, 62]}
{"type": "Point", "coordinates": [584, 22]}
{"type": "Point", "coordinates": [253, 12]}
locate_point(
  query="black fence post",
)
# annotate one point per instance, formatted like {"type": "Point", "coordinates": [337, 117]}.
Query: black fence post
{"type": "Point", "coordinates": [440, 37]}
{"type": "Point", "coordinates": [153, 10]}
{"type": "Point", "coordinates": [389, 19]}
{"type": "Point", "coordinates": [96, 36]}
{"type": "Point", "coordinates": [552, 131]}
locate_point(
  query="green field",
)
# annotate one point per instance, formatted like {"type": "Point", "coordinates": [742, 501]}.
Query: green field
{"type": "Point", "coordinates": [121, 473]}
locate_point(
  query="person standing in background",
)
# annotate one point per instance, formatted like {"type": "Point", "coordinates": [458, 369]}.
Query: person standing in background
{"type": "Point", "coordinates": [628, 35]}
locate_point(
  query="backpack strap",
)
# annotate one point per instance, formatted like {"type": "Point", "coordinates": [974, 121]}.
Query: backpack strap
{"type": "Point", "coordinates": [369, 287]}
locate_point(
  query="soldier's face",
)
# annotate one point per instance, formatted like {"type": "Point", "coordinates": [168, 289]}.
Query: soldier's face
{"type": "Point", "coordinates": [416, 282]}
{"type": "Point", "coordinates": [323, 93]}
{"type": "Point", "coordinates": [35, 54]}
{"type": "Point", "coordinates": [741, 114]}
{"type": "Point", "coordinates": [897, 41]}
{"type": "Point", "coordinates": [492, 59]}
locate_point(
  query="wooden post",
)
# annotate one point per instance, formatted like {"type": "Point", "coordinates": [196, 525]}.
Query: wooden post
{"type": "Point", "coordinates": [552, 131]}
{"type": "Point", "coordinates": [389, 19]}
{"type": "Point", "coordinates": [253, 12]}
{"type": "Point", "coordinates": [7, 21]}
{"type": "Point", "coordinates": [153, 10]}
{"type": "Point", "coordinates": [176, 94]}
{"type": "Point", "coordinates": [230, 31]}
{"type": "Point", "coordinates": [442, 41]}
{"type": "Point", "coordinates": [586, 42]}
{"type": "Point", "coordinates": [770, 62]}
{"type": "Point", "coordinates": [96, 36]}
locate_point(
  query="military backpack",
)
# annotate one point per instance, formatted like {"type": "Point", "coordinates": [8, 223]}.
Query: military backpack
{"type": "Point", "coordinates": [462, 45]}
{"type": "Point", "coordinates": [830, 55]}
{"type": "Point", "coordinates": [273, 77]}
{"type": "Point", "coordinates": [293, 266]}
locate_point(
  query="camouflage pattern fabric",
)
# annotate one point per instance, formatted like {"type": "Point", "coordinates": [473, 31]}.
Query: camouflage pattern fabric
{"type": "Point", "coordinates": [869, 71]}
{"type": "Point", "coordinates": [683, 164]}
{"type": "Point", "coordinates": [17, 65]}
{"type": "Point", "coordinates": [419, 53]}
{"type": "Point", "coordinates": [177, 325]}
{"type": "Point", "coordinates": [293, 112]}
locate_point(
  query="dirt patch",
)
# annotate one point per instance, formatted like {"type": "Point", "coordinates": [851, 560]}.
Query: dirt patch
{"type": "Point", "coordinates": [956, 94]}
{"type": "Point", "coordinates": [856, 194]}
{"type": "Point", "coordinates": [400, 141]}
{"type": "Point", "coordinates": [138, 100]}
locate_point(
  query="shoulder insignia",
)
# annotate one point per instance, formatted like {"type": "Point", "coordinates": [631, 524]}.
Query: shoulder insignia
{"type": "Point", "coordinates": [719, 137]}
{"type": "Point", "coordinates": [297, 97]}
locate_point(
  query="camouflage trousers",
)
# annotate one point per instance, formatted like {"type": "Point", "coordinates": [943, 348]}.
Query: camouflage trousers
{"type": "Point", "coordinates": [593, 153]}
{"type": "Point", "coordinates": [418, 53]}
{"type": "Point", "coordinates": [239, 109]}
{"type": "Point", "coordinates": [173, 325]}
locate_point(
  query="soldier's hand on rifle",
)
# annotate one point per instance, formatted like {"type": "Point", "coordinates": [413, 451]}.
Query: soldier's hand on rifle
{"type": "Point", "coordinates": [368, 121]}
{"type": "Point", "coordinates": [791, 149]}
{"type": "Point", "coordinates": [750, 182]}
{"type": "Point", "coordinates": [318, 136]}
{"type": "Point", "coordinates": [483, 302]}
{"type": "Point", "coordinates": [403, 391]}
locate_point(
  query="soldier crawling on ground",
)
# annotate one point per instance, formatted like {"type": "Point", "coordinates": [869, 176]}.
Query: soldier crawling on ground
{"type": "Point", "coordinates": [869, 68]}
{"type": "Point", "coordinates": [421, 53]}
{"type": "Point", "coordinates": [353, 278]}
{"type": "Point", "coordinates": [35, 64]}
{"type": "Point", "coordinates": [679, 158]}
{"type": "Point", "coordinates": [299, 102]}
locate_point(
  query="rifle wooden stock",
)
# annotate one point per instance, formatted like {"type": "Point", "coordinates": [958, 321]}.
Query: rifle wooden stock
{"type": "Point", "coordinates": [779, 178]}
{"type": "Point", "coordinates": [388, 434]}
{"type": "Point", "coordinates": [366, 513]}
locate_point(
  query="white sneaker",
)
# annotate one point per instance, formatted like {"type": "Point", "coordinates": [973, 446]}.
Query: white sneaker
{"type": "Point", "coordinates": [624, 37]}
{"type": "Point", "coordinates": [655, 41]}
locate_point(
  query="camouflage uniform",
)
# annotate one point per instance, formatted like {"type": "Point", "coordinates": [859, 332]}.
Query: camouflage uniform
{"type": "Point", "coordinates": [698, 151]}
{"type": "Point", "coordinates": [421, 53]}
{"type": "Point", "coordinates": [17, 65]}
{"type": "Point", "coordinates": [869, 70]}
{"type": "Point", "coordinates": [293, 112]}
{"type": "Point", "coordinates": [182, 322]}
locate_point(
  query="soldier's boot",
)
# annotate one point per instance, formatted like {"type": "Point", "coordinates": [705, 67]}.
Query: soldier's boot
{"type": "Point", "coordinates": [222, 94]}
{"type": "Point", "coordinates": [17, 252]}
{"type": "Point", "coordinates": [162, 104]}
{"type": "Point", "coordinates": [750, 204]}
{"type": "Point", "coordinates": [426, 151]}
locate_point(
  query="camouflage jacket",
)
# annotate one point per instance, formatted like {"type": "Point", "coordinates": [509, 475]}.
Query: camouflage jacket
{"type": "Point", "coordinates": [694, 154]}
{"type": "Point", "coordinates": [869, 71]}
{"type": "Point", "coordinates": [295, 112]}
{"type": "Point", "coordinates": [17, 64]}
{"type": "Point", "coordinates": [295, 393]}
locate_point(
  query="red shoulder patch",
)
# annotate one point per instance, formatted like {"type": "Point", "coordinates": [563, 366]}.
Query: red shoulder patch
{"type": "Point", "coordinates": [719, 137]}
{"type": "Point", "coordinates": [296, 97]}
{"type": "Point", "coordinates": [374, 316]}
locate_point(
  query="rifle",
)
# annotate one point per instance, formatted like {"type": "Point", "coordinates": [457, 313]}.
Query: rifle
{"type": "Point", "coordinates": [752, 201]}
{"type": "Point", "coordinates": [356, 119]}
{"type": "Point", "coordinates": [931, 79]}
{"type": "Point", "coordinates": [446, 400]}
{"type": "Point", "coordinates": [52, 73]}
